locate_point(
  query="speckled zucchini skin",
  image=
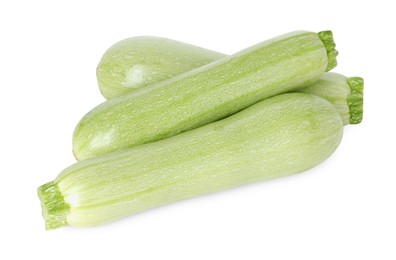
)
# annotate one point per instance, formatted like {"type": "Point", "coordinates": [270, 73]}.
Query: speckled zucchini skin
{"type": "Point", "coordinates": [279, 136]}
{"type": "Point", "coordinates": [205, 94]}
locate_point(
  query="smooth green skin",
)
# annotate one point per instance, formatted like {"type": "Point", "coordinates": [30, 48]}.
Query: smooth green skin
{"type": "Point", "coordinates": [334, 88]}
{"type": "Point", "coordinates": [279, 136]}
{"type": "Point", "coordinates": [345, 94]}
{"type": "Point", "coordinates": [203, 95]}
{"type": "Point", "coordinates": [140, 61]}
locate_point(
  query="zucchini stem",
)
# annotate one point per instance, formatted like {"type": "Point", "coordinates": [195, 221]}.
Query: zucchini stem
{"type": "Point", "coordinates": [54, 207]}
{"type": "Point", "coordinates": [355, 99]}
{"type": "Point", "coordinates": [328, 41]}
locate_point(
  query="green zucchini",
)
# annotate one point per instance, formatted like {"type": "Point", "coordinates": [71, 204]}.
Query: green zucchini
{"type": "Point", "coordinates": [279, 136]}
{"type": "Point", "coordinates": [140, 61]}
{"type": "Point", "coordinates": [345, 94]}
{"type": "Point", "coordinates": [205, 94]}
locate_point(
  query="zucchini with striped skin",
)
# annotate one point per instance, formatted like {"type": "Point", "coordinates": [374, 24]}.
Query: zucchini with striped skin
{"type": "Point", "coordinates": [137, 62]}
{"type": "Point", "coordinates": [140, 61]}
{"type": "Point", "coordinates": [205, 94]}
{"type": "Point", "coordinates": [345, 94]}
{"type": "Point", "coordinates": [278, 136]}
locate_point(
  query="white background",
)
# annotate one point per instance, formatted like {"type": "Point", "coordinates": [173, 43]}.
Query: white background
{"type": "Point", "coordinates": [342, 209]}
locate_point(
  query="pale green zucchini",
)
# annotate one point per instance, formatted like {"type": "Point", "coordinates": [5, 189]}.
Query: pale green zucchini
{"type": "Point", "coordinates": [279, 136]}
{"type": "Point", "coordinates": [345, 94]}
{"type": "Point", "coordinates": [140, 61]}
{"type": "Point", "coordinates": [205, 94]}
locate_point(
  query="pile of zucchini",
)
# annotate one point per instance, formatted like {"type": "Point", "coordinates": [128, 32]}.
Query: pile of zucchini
{"type": "Point", "coordinates": [181, 121]}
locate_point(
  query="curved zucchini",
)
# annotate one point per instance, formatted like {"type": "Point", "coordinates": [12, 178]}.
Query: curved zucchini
{"type": "Point", "coordinates": [205, 94]}
{"type": "Point", "coordinates": [140, 61]}
{"type": "Point", "coordinates": [279, 136]}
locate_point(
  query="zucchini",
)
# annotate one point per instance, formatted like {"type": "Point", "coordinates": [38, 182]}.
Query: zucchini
{"type": "Point", "coordinates": [279, 136]}
{"type": "Point", "coordinates": [205, 94]}
{"type": "Point", "coordinates": [345, 94]}
{"type": "Point", "coordinates": [140, 61]}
